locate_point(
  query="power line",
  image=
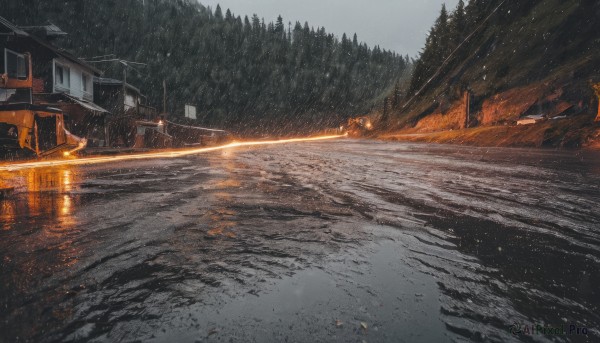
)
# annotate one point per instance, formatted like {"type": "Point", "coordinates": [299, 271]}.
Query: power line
{"type": "Point", "coordinates": [122, 61]}
{"type": "Point", "coordinates": [439, 70]}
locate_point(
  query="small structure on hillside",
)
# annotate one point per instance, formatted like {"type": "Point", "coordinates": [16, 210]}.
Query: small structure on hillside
{"type": "Point", "coordinates": [532, 119]}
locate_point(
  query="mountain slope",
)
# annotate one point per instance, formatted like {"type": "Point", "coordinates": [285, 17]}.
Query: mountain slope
{"type": "Point", "coordinates": [527, 58]}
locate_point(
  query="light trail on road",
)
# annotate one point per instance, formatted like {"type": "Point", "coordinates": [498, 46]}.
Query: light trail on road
{"type": "Point", "coordinates": [153, 155]}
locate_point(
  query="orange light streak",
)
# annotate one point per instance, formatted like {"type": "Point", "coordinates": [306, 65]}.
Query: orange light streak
{"type": "Point", "coordinates": [161, 154]}
{"type": "Point", "coordinates": [81, 146]}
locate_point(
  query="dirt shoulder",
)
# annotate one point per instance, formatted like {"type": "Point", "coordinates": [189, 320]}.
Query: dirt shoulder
{"type": "Point", "coordinates": [563, 133]}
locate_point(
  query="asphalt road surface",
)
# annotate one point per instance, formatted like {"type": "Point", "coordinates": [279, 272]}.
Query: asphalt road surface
{"type": "Point", "coordinates": [343, 240]}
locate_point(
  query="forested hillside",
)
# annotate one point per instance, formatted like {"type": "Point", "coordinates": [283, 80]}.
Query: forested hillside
{"type": "Point", "coordinates": [239, 72]}
{"type": "Point", "coordinates": [516, 58]}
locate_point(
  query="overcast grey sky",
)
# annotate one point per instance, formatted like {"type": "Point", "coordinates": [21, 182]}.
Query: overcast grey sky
{"type": "Point", "coordinates": [399, 25]}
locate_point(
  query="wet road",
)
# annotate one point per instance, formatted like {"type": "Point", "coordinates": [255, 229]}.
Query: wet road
{"type": "Point", "coordinates": [346, 241]}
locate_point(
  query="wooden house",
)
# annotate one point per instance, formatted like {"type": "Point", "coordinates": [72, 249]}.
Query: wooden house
{"type": "Point", "coordinates": [122, 99]}
{"type": "Point", "coordinates": [129, 114]}
{"type": "Point", "coordinates": [60, 79]}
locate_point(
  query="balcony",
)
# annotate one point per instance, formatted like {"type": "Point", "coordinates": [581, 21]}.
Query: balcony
{"type": "Point", "coordinates": [147, 112]}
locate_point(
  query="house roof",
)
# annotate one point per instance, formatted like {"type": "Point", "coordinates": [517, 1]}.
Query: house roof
{"type": "Point", "coordinates": [11, 27]}
{"type": "Point", "coordinates": [88, 105]}
{"type": "Point", "coordinates": [50, 30]}
{"type": "Point", "coordinates": [53, 98]}
{"type": "Point", "coordinates": [105, 81]}
{"type": "Point", "coordinates": [57, 51]}
{"type": "Point", "coordinates": [65, 54]}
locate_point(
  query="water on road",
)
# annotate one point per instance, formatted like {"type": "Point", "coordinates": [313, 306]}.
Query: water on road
{"type": "Point", "coordinates": [343, 240]}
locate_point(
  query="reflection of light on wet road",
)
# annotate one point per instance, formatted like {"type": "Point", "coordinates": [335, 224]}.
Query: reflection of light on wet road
{"type": "Point", "coordinates": [66, 179]}
{"type": "Point", "coordinates": [8, 214]}
{"type": "Point", "coordinates": [163, 154]}
{"type": "Point", "coordinates": [223, 219]}
{"type": "Point", "coordinates": [406, 236]}
{"type": "Point", "coordinates": [38, 234]}
{"type": "Point", "coordinates": [39, 193]}
{"type": "Point", "coordinates": [66, 205]}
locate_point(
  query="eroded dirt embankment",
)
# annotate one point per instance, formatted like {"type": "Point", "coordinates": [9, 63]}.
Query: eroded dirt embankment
{"type": "Point", "coordinates": [564, 118]}
{"type": "Point", "coordinates": [566, 133]}
{"type": "Point", "coordinates": [530, 60]}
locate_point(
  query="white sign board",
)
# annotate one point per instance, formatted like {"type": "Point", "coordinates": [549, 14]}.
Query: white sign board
{"type": "Point", "coordinates": [190, 111]}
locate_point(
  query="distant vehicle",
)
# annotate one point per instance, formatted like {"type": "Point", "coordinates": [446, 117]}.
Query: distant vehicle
{"type": "Point", "coordinates": [358, 127]}
{"type": "Point", "coordinates": [25, 128]}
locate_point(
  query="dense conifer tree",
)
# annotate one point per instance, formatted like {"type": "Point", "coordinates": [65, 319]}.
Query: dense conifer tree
{"type": "Point", "coordinates": [458, 25]}
{"type": "Point", "coordinates": [241, 73]}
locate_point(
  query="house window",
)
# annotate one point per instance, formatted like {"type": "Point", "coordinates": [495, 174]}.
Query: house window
{"type": "Point", "coordinates": [61, 74]}
{"type": "Point", "coordinates": [84, 82]}
{"type": "Point", "coordinates": [15, 65]}
{"type": "Point", "coordinates": [86, 86]}
{"type": "Point", "coordinates": [130, 101]}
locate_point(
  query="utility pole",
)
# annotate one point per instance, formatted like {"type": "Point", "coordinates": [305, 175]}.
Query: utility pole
{"type": "Point", "coordinates": [597, 90]}
{"type": "Point", "coordinates": [165, 97]}
{"type": "Point", "coordinates": [467, 103]}
{"type": "Point", "coordinates": [124, 84]}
